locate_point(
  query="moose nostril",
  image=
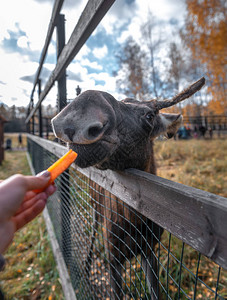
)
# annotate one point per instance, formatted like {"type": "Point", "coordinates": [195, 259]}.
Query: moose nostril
{"type": "Point", "coordinates": [70, 133]}
{"type": "Point", "coordinates": [95, 130]}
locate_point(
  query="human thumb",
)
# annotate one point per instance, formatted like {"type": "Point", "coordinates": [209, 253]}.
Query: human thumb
{"type": "Point", "coordinates": [39, 182]}
{"type": "Point", "coordinates": [44, 174]}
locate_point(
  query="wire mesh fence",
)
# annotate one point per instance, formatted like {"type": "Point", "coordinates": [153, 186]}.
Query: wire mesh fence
{"type": "Point", "coordinates": [113, 252]}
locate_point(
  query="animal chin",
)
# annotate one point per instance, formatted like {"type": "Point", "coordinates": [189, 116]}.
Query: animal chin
{"type": "Point", "coordinates": [91, 154]}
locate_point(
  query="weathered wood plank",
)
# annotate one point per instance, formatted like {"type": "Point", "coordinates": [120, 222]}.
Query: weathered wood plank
{"type": "Point", "coordinates": [197, 217]}
{"type": "Point", "coordinates": [93, 13]}
{"type": "Point", "coordinates": [55, 12]}
{"type": "Point", "coordinates": [53, 147]}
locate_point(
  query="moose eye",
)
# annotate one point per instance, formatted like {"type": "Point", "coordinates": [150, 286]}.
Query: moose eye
{"type": "Point", "coordinates": [149, 116]}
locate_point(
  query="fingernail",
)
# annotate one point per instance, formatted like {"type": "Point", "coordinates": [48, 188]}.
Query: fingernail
{"type": "Point", "coordinates": [51, 189]}
{"type": "Point", "coordinates": [44, 173]}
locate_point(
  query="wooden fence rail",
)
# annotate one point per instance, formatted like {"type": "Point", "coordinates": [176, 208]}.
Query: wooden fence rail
{"type": "Point", "coordinates": [53, 21]}
{"type": "Point", "coordinates": [197, 217]}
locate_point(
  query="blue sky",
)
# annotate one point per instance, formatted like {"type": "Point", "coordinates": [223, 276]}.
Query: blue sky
{"type": "Point", "coordinates": [23, 30]}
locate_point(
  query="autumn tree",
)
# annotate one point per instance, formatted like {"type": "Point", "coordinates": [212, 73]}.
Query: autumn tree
{"type": "Point", "coordinates": [49, 111]}
{"type": "Point", "coordinates": [131, 75]}
{"type": "Point", "coordinates": [176, 65]}
{"type": "Point", "coordinates": [4, 111]}
{"type": "Point", "coordinates": [152, 39]}
{"type": "Point", "coordinates": [21, 112]}
{"type": "Point", "coordinates": [205, 34]}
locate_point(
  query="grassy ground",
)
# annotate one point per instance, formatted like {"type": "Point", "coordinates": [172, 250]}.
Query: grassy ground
{"type": "Point", "coordinates": [198, 163]}
{"type": "Point", "coordinates": [31, 270]}
{"type": "Point", "coordinates": [201, 164]}
{"type": "Point", "coordinates": [14, 139]}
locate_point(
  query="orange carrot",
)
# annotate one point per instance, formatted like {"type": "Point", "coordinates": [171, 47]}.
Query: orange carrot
{"type": "Point", "coordinates": [59, 167]}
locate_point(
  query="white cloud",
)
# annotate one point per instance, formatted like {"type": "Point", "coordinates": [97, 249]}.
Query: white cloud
{"type": "Point", "coordinates": [83, 52]}
{"type": "Point", "coordinates": [77, 67]}
{"type": "Point", "coordinates": [88, 63]}
{"type": "Point", "coordinates": [120, 13]}
{"type": "Point", "coordinates": [22, 42]}
{"type": "Point", "coordinates": [100, 52]}
{"type": "Point", "coordinates": [109, 82]}
{"type": "Point", "coordinates": [162, 10]}
{"type": "Point", "coordinates": [133, 30]}
{"type": "Point", "coordinates": [32, 18]}
{"type": "Point", "coordinates": [12, 68]}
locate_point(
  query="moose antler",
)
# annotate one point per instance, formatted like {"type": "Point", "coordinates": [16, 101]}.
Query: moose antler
{"type": "Point", "coordinates": [188, 92]}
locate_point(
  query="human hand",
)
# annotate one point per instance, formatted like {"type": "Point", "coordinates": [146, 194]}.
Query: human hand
{"type": "Point", "coordinates": [19, 204]}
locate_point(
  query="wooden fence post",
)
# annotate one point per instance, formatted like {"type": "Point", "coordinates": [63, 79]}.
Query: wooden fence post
{"type": "Point", "coordinates": [40, 111]}
{"type": "Point", "coordinates": [64, 180]}
{"type": "Point", "coordinates": [2, 121]}
{"type": "Point", "coordinates": [33, 118]}
{"type": "Point", "coordinates": [62, 102]}
{"type": "Point", "coordinates": [47, 127]}
{"type": "Point", "coordinates": [28, 125]}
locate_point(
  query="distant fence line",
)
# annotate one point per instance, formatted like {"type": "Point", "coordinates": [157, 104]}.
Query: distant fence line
{"type": "Point", "coordinates": [216, 122]}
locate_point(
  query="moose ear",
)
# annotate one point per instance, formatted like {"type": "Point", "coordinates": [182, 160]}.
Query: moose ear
{"type": "Point", "coordinates": [170, 123]}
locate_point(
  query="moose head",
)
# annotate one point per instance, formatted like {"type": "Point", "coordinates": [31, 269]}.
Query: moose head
{"type": "Point", "coordinates": [111, 134]}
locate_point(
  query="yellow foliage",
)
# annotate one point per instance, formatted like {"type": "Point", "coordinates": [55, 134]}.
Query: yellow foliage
{"type": "Point", "coordinates": [205, 35]}
{"type": "Point", "coordinates": [216, 106]}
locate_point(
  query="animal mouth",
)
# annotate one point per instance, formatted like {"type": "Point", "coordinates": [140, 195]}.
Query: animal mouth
{"type": "Point", "coordinates": [95, 153]}
{"type": "Point", "coordinates": [101, 141]}
{"type": "Point", "coordinates": [91, 154]}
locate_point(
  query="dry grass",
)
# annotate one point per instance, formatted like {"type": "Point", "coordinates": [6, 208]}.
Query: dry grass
{"type": "Point", "coordinates": [14, 138]}
{"type": "Point", "coordinates": [201, 164]}
{"type": "Point", "coordinates": [198, 163]}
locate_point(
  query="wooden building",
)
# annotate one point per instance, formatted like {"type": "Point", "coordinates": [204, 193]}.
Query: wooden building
{"type": "Point", "coordinates": [2, 121]}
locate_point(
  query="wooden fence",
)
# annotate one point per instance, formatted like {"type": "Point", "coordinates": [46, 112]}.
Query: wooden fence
{"type": "Point", "coordinates": [196, 217]}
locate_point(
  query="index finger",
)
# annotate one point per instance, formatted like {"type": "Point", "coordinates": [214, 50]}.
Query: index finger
{"type": "Point", "coordinates": [29, 214]}
{"type": "Point", "coordinates": [37, 182]}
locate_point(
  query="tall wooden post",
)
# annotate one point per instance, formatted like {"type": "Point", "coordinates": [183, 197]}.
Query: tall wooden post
{"type": "Point", "coordinates": [2, 121]}
{"type": "Point", "coordinates": [47, 127]}
{"type": "Point", "coordinates": [29, 122]}
{"type": "Point", "coordinates": [64, 180]}
{"type": "Point", "coordinates": [62, 102]}
{"type": "Point", "coordinates": [40, 111]}
{"type": "Point", "coordinates": [33, 118]}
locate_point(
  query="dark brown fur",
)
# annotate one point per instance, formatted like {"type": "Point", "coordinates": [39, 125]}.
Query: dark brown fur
{"type": "Point", "coordinates": [109, 134]}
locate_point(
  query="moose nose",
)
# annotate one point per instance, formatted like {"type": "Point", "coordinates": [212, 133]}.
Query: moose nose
{"type": "Point", "coordinates": [87, 134]}
{"type": "Point", "coordinates": [69, 132]}
{"type": "Point", "coordinates": [93, 131]}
